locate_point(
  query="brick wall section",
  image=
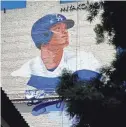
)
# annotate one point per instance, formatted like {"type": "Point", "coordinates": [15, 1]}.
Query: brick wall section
{"type": "Point", "coordinates": [18, 47]}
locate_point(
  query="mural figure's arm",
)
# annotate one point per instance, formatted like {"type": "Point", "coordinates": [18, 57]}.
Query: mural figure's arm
{"type": "Point", "coordinates": [87, 75]}
{"type": "Point", "coordinates": [89, 67]}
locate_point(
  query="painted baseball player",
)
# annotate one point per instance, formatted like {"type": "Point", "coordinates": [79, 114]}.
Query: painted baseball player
{"type": "Point", "coordinates": [50, 35]}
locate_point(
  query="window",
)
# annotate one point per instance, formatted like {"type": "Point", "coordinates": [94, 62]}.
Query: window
{"type": "Point", "coordinates": [12, 4]}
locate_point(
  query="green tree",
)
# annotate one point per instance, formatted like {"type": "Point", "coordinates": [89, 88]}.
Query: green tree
{"type": "Point", "coordinates": [101, 103]}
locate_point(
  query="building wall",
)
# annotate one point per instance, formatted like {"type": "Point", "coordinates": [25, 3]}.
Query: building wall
{"type": "Point", "coordinates": [18, 47]}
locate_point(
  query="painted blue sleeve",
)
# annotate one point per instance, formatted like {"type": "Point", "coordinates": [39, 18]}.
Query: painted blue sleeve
{"type": "Point", "coordinates": [45, 83]}
{"type": "Point", "coordinates": [87, 75]}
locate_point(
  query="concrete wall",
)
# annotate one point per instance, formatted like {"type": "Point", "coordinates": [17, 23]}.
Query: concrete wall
{"type": "Point", "coordinates": [18, 47]}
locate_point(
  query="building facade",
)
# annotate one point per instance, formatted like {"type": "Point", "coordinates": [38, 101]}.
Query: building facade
{"type": "Point", "coordinates": [18, 47]}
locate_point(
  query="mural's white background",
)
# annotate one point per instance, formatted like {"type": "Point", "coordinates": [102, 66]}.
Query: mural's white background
{"type": "Point", "coordinates": [18, 47]}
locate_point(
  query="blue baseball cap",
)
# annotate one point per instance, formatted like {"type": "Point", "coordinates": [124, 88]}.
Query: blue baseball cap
{"type": "Point", "coordinates": [41, 33]}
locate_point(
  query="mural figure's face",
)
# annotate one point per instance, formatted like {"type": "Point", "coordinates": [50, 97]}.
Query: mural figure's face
{"type": "Point", "coordinates": [52, 52]}
{"type": "Point", "coordinates": [59, 38]}
{"type": "Point", "coordinates": [60, 35]}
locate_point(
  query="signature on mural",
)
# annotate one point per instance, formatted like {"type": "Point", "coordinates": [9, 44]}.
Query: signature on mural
{"type": "Point", "coordinates": [50, 35]}
{"type": "Point", "coordinates": [73, 8]}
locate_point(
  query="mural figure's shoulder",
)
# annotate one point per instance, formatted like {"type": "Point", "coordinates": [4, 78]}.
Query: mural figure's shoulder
{"type": "Point", "coordinates": [26, 69]}
{"type": "Point", "coordinates": [81, 60]}
{"type": "Point", "coordinates": [93, 63]}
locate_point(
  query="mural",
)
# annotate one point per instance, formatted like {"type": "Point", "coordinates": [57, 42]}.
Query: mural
{"type": "Point", "coordinates": [51, 37]}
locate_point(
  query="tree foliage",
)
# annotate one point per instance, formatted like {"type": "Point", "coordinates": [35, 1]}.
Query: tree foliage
{"type": "Point", "coordinates": [101, 103]}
